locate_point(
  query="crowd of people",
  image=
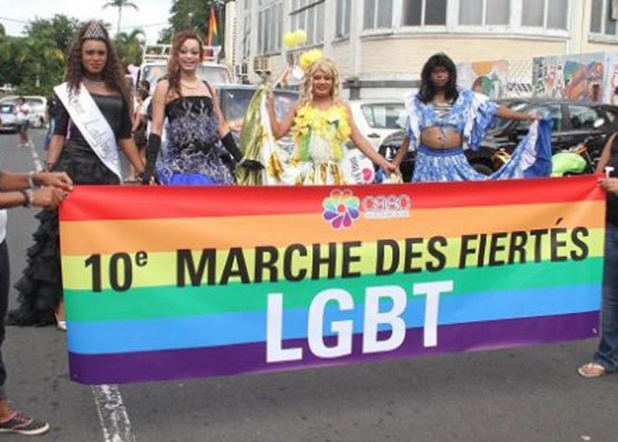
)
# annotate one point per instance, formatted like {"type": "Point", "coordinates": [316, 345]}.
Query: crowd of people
{"type": "Point", "coordinates": [443, 121]}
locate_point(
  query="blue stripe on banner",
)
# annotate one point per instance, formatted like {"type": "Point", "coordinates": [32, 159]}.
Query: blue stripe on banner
{"type": "Point", "coordinates": [241, 328]}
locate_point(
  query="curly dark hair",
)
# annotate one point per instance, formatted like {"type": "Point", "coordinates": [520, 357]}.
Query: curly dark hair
{"type": "Point", "coordinates": [173, 64]}
{"type": "Point", "coordinates": [428, 90]}
{"type": "Point", "coordinates": [113, 72]}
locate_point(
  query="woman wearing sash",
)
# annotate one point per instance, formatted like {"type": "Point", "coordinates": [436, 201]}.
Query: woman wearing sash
{"type": "Point", "coordinates": [444, 121]}
{"type": "Point", "coordinates": [92, 120]}
{"type": "Point", "coordinates": [195, 127]}
{"type": "Point", "coordinates": [321, 123]}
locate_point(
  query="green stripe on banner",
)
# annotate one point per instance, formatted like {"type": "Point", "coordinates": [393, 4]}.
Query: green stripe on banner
{"type": "Point", "coordinates": [169, 302]}
{"type": "Point", "coordinates": [160, 269]}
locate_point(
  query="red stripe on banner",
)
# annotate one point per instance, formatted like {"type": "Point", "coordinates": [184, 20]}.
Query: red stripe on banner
{"type": "Point", "coordinates": [138, 202]}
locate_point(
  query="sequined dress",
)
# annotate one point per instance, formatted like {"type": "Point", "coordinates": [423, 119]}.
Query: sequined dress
{"type": "Point", "coordinates": [193, 152]}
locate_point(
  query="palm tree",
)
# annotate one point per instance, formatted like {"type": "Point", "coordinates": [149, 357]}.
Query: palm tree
{"type": "Point", "coordinates": [120, 4]}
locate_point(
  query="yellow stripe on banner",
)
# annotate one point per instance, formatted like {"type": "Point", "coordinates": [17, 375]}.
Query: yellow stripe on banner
{"type": "Point", "coordinates": [160, 269]}
{"type": "Point", "coordinates": [105, 237]}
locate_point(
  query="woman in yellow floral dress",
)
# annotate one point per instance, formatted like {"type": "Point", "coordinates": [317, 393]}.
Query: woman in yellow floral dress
{"type": "Point", "coordinates": [320, 123]}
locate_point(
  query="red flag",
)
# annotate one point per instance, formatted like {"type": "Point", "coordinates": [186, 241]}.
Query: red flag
{"type": "Point", "coordinates": [213, 34]}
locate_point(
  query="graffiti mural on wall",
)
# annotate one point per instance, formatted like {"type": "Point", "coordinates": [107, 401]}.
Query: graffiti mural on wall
{"type": "Point", "coordinates": [576, 77]}
{"type": "Point", "coordinates": [611, 79]}
{"type": "Point", "coordinates": [486, 77]}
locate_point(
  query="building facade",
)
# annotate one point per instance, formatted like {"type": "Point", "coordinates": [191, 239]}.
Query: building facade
{"type": "Point", "coordinates": [380, 46]}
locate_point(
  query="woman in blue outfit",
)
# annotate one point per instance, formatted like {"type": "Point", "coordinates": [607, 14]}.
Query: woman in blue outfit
{"type": "Point", "coordinates": [605, 359]}
{"type": "Point", "coordinates": [195, 129]}
{"type": "Point", "coordinates": [444, 121]}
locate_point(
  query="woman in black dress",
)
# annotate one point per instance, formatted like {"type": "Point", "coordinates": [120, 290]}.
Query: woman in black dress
{"type": "Point", "coordinates": [94, 76]}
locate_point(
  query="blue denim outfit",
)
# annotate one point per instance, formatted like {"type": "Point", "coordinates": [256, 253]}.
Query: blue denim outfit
{"type": "Point", "coordinates": [607, 353]}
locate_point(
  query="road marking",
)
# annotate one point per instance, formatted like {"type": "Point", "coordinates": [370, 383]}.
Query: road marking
{"type": "Point", "coordinates": [113, 415]}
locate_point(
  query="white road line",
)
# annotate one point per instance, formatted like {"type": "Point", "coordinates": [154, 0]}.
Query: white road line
{"type": "Point", "coordinates": [113, 415]}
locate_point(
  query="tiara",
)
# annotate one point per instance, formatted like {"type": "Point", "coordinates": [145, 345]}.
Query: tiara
{"type": "Point", "coordinates": [94, 32]}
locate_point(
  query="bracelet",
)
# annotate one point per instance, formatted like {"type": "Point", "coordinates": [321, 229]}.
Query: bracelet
{"type": "Point", "coordinates": [31, 184]}
{"type": "Point", "coordinates": [27, 197]}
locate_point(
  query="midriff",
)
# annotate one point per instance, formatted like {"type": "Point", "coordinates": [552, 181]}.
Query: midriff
{"type": "Point", "coordinates": [440, 138]}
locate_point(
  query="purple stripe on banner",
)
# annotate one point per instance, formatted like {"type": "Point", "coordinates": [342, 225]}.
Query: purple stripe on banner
{"type": "Point", "coordinates": [228, 360]}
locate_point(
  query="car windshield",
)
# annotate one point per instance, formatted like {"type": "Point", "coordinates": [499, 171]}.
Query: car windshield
{"type": "Point", "coordinates": [210, 72]}
{"type": "Point", "coordinates": [385, 115]}
{"type": "Point", "coordinates": [234, 102]}
{"type": "Point", "coordinates": [6, 108]}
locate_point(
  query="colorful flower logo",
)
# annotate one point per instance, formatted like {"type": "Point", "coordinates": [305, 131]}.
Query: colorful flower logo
{"type": "Point", "coordinates": [341, 209]}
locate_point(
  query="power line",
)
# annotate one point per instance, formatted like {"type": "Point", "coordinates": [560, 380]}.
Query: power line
{"type": "Point", "coordinates": [14, 20]}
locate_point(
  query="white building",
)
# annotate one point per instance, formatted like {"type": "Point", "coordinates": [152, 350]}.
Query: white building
{"type": "Point", "coordinates": [381, 45]}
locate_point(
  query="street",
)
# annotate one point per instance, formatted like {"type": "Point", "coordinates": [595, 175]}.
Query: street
{"type": "Point", "coordinates": [528, 394]}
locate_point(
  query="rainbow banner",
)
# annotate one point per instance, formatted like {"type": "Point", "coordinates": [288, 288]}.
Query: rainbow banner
{"type": "Point", "coordinates": [177, 282]}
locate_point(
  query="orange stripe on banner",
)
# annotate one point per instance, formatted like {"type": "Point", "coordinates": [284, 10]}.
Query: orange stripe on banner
{"type": "Point", "coordinates": [138, 202]}
{"type": "Point", "coordinates": [162, 235]}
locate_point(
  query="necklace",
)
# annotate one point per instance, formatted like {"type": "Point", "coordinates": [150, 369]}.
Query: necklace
{"type": "Point", "coordinates": [87, 80]}
{"type": "Point", "coordinates": [194, 85]}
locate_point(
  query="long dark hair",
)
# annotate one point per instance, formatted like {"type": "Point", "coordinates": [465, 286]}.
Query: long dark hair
{"type": "Point", "coordinates": [173, 64]}
{"type": "Point", "coordinates": [428, 90]}
{"type": "Point", "coordinates": [113, 73]}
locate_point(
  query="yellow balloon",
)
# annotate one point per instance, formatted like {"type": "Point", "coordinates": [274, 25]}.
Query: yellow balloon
{"type": "Point", "coordinates": [289, 39]}
{"type": "Point", "coordinates": [301, 37]}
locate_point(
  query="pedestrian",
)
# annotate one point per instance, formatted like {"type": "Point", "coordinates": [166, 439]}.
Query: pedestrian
{"type": "Point", "coordinates": [49, 119]}
{"type": "Point", "coordinates": [140, 124]}
{"type": "Point", "coordinates": [20, 189]}
{"type": "Point", "coordinates": [21, 112]}
{"type": "Point", "coordinates": [93, 119]}
{"type": "Point", "coordinates": [321, 123]}
{"type": "Point", "coordinates": [605, 359]}
{"type": "Point", "coordinates": [195, 127]}
{"type": "Point", "coordinates": [444, 121]}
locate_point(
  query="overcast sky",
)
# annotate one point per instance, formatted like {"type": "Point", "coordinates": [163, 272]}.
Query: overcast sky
{"type": "Point", "coordinates": [152, 15]}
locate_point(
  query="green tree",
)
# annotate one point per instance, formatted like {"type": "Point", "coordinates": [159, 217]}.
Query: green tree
{"type": "Point", "coordinates": [120, 4]}
{"type": "Point", "coordinates": [60, 29]}
{"type": "Point", "coordinates": [129, 46]}
{"type": "Point", "coordinates": [192, 14]}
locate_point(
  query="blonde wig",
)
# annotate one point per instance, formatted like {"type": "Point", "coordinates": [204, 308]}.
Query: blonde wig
{"type": "Point", "coordinates": [327, 66]}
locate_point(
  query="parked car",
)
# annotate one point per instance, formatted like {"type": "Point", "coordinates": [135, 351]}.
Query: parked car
{"type": "Point", "coordinates": [234, 100]}
{"type": "Point", "coordinates": [573, 122]}
{"type": "Point", "coordinates": [37, 104]}
{"type": "Point", "coordinates": [7, 118]}
{"type": "Point", "coordinates": [376, 119]}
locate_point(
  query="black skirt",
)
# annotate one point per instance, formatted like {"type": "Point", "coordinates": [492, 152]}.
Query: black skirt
{"type": "Point", "coordinates": [40, 287]}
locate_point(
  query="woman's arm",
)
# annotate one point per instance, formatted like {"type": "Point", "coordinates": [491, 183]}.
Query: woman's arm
{"type": "Point", "coordinates": [606, 153]}
{"type": "Point", "coordinates": [159, 98]}
{"type": "Point", "coordinates": [365, 146]}
{"type": "Point", "coordinates": [509, 114]}
{"type": "Point", "coordinates": [280, 128]}
{"type": "Point", "coordinates": [56, 144]}
{"type": "Point", "coordinates": [130, 150]}
{"type": "Point", "coordinates": [401, 153]}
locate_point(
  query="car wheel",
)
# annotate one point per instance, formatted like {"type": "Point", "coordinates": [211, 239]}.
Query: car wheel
{"type": "Point", "coordinates": [482, 168]}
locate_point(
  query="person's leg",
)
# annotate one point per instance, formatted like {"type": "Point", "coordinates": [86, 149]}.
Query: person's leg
{"type": "Point", "coordinates": [607, 354]}
{"type": "Point", "coordinates": [11, 421]}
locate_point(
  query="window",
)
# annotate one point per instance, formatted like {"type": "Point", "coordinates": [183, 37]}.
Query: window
{"type": "Point", "coordinates": [484, 12]}
{"type": "Point", "coordinates": [424, 12]}
{"type": "Point", "coordinates": [378, 14]}
{"type": "Point", "coordinates": [551, 14]}
{"type": "Point", "coordinates": [602, 22]}
{"type": "Point", "coordinates": [309, 16]}
{"type": "Point", "coordinates": [342, 25]}
{"type": "Point", "coordinates": [385, 115]}
{"type": "Point", "coordinates": [269, 27]}
{"type": "Point", "coordinates": [583, 117]}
